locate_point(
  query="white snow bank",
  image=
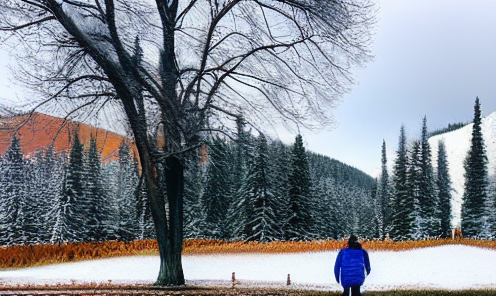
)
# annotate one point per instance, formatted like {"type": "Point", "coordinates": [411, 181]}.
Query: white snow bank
{"type": "Point", "coordinates": [446, 267]}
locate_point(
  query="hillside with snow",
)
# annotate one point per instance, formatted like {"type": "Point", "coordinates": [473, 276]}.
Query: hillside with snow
{"type": "Point", "coordinates": [457, 145]}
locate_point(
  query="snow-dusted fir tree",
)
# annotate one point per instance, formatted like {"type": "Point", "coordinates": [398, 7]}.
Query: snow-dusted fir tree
{"type": "Point", "coordinates": [413, 184]}
{"type": "Point", "coordinates": [126, 203]}
{"type": "Point", "coordinates": [70, 223]}
{"type": "Point", "coordinates": [240, 208]}
{"type": "Point", "coordinates": [262, 224]}
{"type": "Point", "coordinates": [98, 204]}
{"type": "Point", "coordinates": [12, 195]}
{"type": "Point", "coordinates": [384, 197]}
{"type": "Point", "coordinates": [53, 176]}
{"type": "Point", "coordinates": [194, 217]}
{"type": "Point", "coordinates": [443, 182]}
{"type": "Point", "coordinates": [217, 195]}
{"type": "Point", "coordinates": [299, 220]}
{"type": "Point", "coordinates": [37, 204]}
{"type": "Point", "coordinates": [376, 222]}
{"type": "Point", "coordinates": [427, 194]}
{"type": "Point", "coordinates": [279, 159]}
{"type": "Point", "coordinates": [474, 208]}
{"type": "Point", "coordinates": [402, 214]}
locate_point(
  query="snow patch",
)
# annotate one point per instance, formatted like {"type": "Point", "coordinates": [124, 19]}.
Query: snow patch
{"type": "Point", "coordinates": [451, 267]}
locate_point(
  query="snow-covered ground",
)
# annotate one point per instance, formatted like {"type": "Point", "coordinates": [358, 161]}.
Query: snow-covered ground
{"type": "Point", "coordinates": [457, 145]}
{"type": "Point", "coordinates": [446, 267]}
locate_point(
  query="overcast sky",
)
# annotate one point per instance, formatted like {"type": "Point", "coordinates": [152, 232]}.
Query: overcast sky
{"type": "Point", "coordinates": [432, 57]}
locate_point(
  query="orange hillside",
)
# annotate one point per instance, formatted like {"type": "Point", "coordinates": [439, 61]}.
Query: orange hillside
{"type": "Point", "coordinates": [41, 130]}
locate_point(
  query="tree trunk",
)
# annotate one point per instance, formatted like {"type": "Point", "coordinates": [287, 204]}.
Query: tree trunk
{"type": "Point", "coordinates": [170, 247]}
{"type": "Point", "coordinates": [169, 231]}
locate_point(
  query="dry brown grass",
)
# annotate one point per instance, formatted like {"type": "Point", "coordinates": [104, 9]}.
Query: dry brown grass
{"type": "Point", "coordinates": [27, 256]}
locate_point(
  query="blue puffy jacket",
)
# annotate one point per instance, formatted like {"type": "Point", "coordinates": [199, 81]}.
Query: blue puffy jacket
{"type": "Point", "coordinates": [351, 264]}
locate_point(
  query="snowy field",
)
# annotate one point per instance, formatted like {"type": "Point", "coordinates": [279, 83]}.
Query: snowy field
{"type": "Point", "coordinates": [446, 267]}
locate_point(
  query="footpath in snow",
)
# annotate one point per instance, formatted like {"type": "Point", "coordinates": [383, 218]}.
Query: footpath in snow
{"type": "Point", "coordinates": [453, 267]}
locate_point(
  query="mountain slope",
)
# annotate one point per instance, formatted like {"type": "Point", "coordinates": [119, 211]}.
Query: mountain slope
{"type": "Point", "coordinates": [41, 130]}
{"type": "Point", "coordinates": [457, 145]}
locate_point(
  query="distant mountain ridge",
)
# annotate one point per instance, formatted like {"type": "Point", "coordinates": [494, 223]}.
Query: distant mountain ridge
{"type": "Point", "coordinates": [41, 130]}
{"type": "Point", "coordinates": [457, 145]}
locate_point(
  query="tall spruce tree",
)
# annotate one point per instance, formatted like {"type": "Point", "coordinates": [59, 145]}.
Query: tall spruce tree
{"type": "Point", "coordinates": [299, 220]}
{"type": "Point", "coordinates": [384, 199]}
{"type": "Point", "coordinates": [13, 195]}
{"type": "Point", "coordinates": [240, 207]}
{"type": "Point", "coordinates": [126, 203]}
{"type": "Point", "coordinates": [36, 203]}
{"type": "Point", "coordinates": [427, 194]}
{"type": "Point", "coordinates": [52, 175]}
{"type": "Point", "coordinates": [402, 214]}
{"type": "Point", "coordinates": [413, 184]}
{"type": "Point", "coordinates": [262, 223]}
{"type": "Point", "coordinates": [279, 179]}
{"type": "Point", "coordinates": [71, 208]}
{"type": "Point", "coordinates": [475, 214]}
{"type": "Point", "coordinates": [98, 206]}
{"type": "Point", "coordinates": [443, 182]}
{"type": "Point", "coordinates": [194, 218]}
{"type": "Point", "coordinates": [217, 194]}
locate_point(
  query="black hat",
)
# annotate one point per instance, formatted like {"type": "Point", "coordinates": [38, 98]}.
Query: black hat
{"type": "Point", "coordinates": [353, 242]}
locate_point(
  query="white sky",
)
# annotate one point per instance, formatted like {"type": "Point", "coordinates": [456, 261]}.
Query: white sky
{"type": "Point", "coordinates": [433, 57]}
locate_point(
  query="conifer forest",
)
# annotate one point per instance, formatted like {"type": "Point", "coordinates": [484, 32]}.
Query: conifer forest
{"type": "Point", "coordinates": [250, 188]}
{"type": "Point", "coordinates": [247, 188]}
{"type": "Point", "coordinates": [415, 202]}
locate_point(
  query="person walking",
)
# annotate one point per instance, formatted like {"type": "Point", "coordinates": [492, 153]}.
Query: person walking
{"type": "Point", "coordinates": [351, 265]}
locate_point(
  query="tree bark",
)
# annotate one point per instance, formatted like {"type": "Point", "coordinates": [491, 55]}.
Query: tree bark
{"type": "Point", "coordinates": [171, 271]}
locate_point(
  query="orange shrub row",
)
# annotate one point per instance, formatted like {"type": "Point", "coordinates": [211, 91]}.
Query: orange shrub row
{"type": "Point", "coordinates": [35, 255]}
{"type": "Point", "coordinates": [216, 246]}
{"type": "Point", "coordinates": [26, 256]}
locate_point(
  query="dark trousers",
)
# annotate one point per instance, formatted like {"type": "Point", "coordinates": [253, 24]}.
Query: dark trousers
{"type": "Point", "coordinates": [355, 291]}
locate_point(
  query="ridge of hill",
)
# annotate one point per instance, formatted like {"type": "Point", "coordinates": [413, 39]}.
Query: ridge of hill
{"type": "Point", "coordinates": [457, 145]}
{"type": "Point", "coordinates": [39, 131]}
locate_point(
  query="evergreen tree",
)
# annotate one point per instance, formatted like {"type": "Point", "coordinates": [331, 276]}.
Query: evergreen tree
{"type": "Point", "coordinates": [279, 160]}
{"type": "Point", "coordinates": [427, 194]}
{"type": "Point", "coordinates": [36, 204]}
{"type": "Point", "coordinates": [194, 218]}
{"type": "Point", "coordinates": [13, 196]}
{"type": "Point", "coordinates": [70, 223]}
{"type": "Point", "coordinates": [375, 199]}
{"type": "Point", "coordinates": [299, 220]}
{"type": "Point", "coordinates": [51, 178]}
{"type": "Point", "coordinates": [413, 184]}
{"type": "Point", "coordinates": [474, 208]}
{"type": "Point", "coordinates": [402, 216]}
{"type": "Point", "coordinates": [383, 194]}
{"type": "Point", "coordinates": [126, 203]}
{"type": "Point", "coordinates": [240, 207]}
{"type": "Point", "coordinates": [98, 206]}
{"type": "Point", "coordinates": [217, 194]}
{"type": "Point", "coordinates": [444, 191]}
{"type": "Point", "coordinates": [262, 224]}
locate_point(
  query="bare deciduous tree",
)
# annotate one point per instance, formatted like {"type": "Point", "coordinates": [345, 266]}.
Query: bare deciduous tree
{"type": "Point", "coordinates": [184, 68]}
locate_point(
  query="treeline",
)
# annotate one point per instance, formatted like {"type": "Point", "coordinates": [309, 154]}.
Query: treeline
{"type": "Point", "coordinates": [415, 202]}
{"type": "Point", "coordinates": [261, 190]}
{"type": "Point", "coordinates": [451, 127]}
{"type": "Point", "coordinates": [249, 188]}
